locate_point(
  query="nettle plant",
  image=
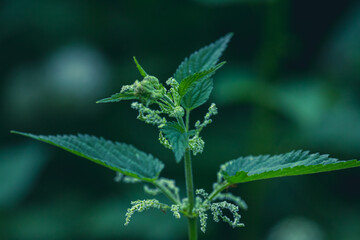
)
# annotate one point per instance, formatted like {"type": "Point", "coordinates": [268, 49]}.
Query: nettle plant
{"type": "Point", "coordinates": [168, 108]}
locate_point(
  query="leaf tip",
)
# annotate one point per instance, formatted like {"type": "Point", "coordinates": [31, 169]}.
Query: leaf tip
{"type": "Point", "coordinates": [229, 34]}
{"type": "Point", "coordinates": [19, 133]}
{"type": "Point", "coordinates": [104, 100]}
{"type": "Point", "coordinates": [141, 70]}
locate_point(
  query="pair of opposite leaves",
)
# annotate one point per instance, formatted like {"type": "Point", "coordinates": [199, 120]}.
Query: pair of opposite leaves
{"type": "Point", "coordinates": [195, 71]}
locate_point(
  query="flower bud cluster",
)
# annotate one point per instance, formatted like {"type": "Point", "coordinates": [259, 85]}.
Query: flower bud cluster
{"type": "Point", "coordinates": [148, 91]}
{"type": "Point", "coordinates": [175, 208]}
{"type": "Point", "coordinates": [151, 191]}
{"type": "Point", "coordinates": [196, 144]}
{"type": "Point", "coordinates": [174, 90]}
{"type": "Point", "coordinates": [235, 199]}
{"type": "Point", "coordinates": [148, 115]}
{"type": "Point", "coordinates": [164, 141]}
{"type": "Point", "coordinates": [142, 205]}
{"type": "Point", "coordinates": [207, 118]}
{"type": "Point", "coordinates": [203, 219]}
{"type": "Point", "coordinates": [177, 112]}
{"type": "Point", "coordinates": [216, 210]}
{"type": "Point", "coordinates": [203, 204]}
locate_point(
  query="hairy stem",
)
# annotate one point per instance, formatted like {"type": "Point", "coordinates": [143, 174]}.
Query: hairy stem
{"type": "Point", "coordinates": [192, 224]}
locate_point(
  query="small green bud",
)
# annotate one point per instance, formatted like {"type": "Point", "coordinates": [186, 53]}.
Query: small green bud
{"type": "Point", "coordinates": [177, 112]}
{"type": "Point", "coordinates": [172, 83]}
{"type": "Point", "coordinates": [149, 90]}
{"type": "Point", "coordinates": [175, 210]}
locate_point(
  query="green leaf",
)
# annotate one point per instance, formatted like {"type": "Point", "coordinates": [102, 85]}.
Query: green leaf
{"type": "Point", "coordinates": [117, 97]}
{"type": "Point", "coordinates": [141, 70]}
{"type": "Point", "coordinates": [203, 59]}
{"type": "Point", "coordinates": [251, 168]}
{"type": "Point", "coordinates": [200, 61]}
{"type": "Point", "coordinates": [120, 157]}
{"type": "Point", "coordinates": [198, 94]}
{"type": "Point", "coordinates": [187, 83]}
{"type": "Point", "coordinates": [177, 138]}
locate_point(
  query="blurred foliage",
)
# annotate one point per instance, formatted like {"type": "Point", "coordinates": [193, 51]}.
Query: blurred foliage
{"type": "Point", "coordinates": [19, 169]}
{"type": "Point", "coordinates": [291, 82]}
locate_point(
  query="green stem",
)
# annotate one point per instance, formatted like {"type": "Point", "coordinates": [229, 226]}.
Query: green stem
{"type": "Point", "coordinates": [187, 119]}
{"type": "Point", "coordinates": [166, 192]}
{"type": "Point", "coordinates": [192, 228]}
{"type": "Point", "coordinates": [192, 224]}
{"type": "Point", "coordinates": [181, 122]}
{"type": "Point", "coordinates": [189, 181]}
{"type": "Point", "coordinates": [218, 190]}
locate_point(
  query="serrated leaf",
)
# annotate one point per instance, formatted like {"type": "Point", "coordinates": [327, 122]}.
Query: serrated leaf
{"type": "Point", "coordinates": [187, 83]}
{"type": "Point", "coordinates": [251, 168]}
{"type": "Point", "coordinates": [203, 59]}
{"type": "Point", "coordinates": [117, 97]}
{"type": "Point", "coordinates": [177, 137]}
{"type": "Point", "coordinates": [198, 94]}
{"type": "Point", "coordinates": [120, 157]}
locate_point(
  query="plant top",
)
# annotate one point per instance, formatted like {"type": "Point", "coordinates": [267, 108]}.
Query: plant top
{"type": "Point", "coordinates": [168, 107]}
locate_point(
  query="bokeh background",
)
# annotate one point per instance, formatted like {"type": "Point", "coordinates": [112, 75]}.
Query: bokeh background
{"type": "Point", "coordinates": [292, 81]}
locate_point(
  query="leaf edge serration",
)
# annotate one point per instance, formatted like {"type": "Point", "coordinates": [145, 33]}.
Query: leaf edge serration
{"type": "Point", "coordinates": [157, 163]}
{"type": "Point", "coordinates": [241, 176]}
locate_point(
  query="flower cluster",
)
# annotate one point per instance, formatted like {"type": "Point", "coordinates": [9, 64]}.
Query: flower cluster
{"type": "Point", "coordinates": [175, 210]}
{"type": "Point", "coordinates": [196, 143]}
{"type": "Point", "coordinates": [151, 191]}
{"type": "Point", "coordinates": [148, 91]}
{"type": "Point", "coordinates": [164, 141]}
{"type": "Point", "coordinates": [148, 115]}
{"type": "Point", "coordinates": [207, 118]}
{"type": "Point", "coordinates": [230, 197]}
{"type": "Point", "coordinates": [142, 205]}
{"type": "Point", "coordinates": [203, 204]}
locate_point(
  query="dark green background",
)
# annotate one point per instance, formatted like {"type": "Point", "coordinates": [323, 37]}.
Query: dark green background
{"type": "Point", "coordinates": [292, 81]}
